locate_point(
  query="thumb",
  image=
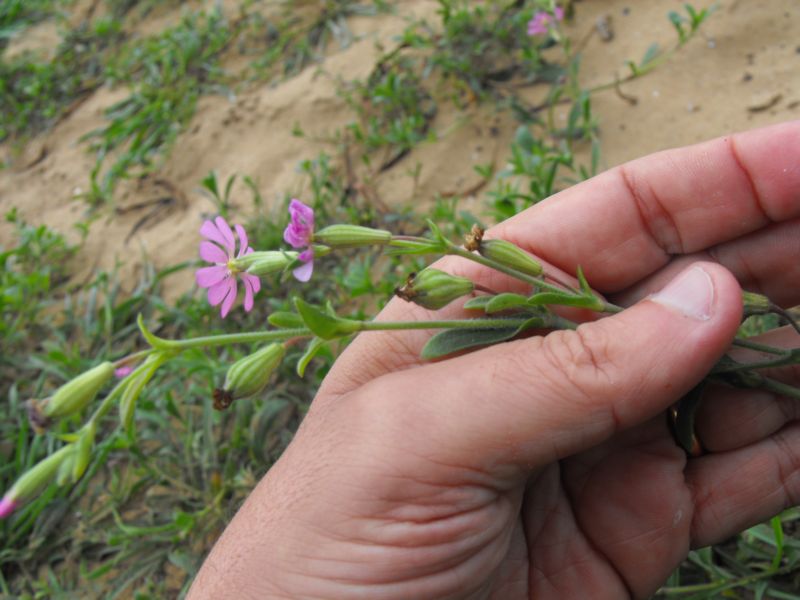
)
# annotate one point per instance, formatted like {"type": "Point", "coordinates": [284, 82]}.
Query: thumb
{"type": "Point", "coordinates": [536, 400]}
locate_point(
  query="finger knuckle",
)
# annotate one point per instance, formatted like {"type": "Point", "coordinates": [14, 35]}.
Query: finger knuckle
{"type": "Point", "coordinates": [583, 357]}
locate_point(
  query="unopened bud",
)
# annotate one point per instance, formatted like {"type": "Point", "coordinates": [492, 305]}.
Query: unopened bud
{"type": "Point", "coordinates": [75, 395]}
{"type": "Point", "coordinates": [249, 375]}
{"type": "Point", "coordinates": [33, 480]}
{"type": "Point", "coordinates": [755, 304]}
{"type": "Point", "coordinates": [351, 236]}
{"type": "Point", "coordinates": [510, 255]}
{"type": "Point", "coordinates": [434, 289]}
{"type": "Point", "coordinates": [265, 263]}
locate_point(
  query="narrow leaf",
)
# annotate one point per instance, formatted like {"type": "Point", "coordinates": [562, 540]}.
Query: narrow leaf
{"type": "Point", "coordinates": [456, 340]}
{"type": "Point", "coordinates": [313, 348]}
{"type": "Point", "coordinates": [505, 301]}
{"type": "Point", "coordinates": [322, 324]}
{"type": "Point", "coordinates": [285, 319]}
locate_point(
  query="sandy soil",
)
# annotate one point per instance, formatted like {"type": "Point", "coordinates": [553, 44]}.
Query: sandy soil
{"type": "Point", "coordinates": [743, 73]}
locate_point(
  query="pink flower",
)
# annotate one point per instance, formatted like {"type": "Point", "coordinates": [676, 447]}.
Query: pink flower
{"type": "Point", "coordinates": [123, 371]}
{"type": "Point", "coordinates": [299, 233]}
{"type": "Point", "coordinates": [541, 21]}
{"type": "Point", "coordinates": [7, 506]}
{"type": "Point", "coordinates": [220, 279]}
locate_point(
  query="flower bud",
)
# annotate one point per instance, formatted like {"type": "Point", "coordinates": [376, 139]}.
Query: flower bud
{"type": "Point", "coordinates": [249, 375]}
{"type": "Point", "coordinates": [75, 395]}
{"type": "Point", "coordinates": [755, 304]}
{"type": "Point", "coordinates": [510, 255]}
{"type": "Point", "coordinates": [434, 289]}
{"type": "Point", "coordinates": [350, 236]}
{"type": "Point", "coordinates": [265, 263]}
{"type": "Point", "coordinates": [33, 480]}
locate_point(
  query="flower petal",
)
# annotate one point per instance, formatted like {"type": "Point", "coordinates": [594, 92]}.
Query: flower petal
{"type": "Point", "coordinates": [255, 282]}
{"type": "Point", "coordinates": [303, 272]}
{"type": "Point", "coordinates": [227, 233]}
{"type": "Point", "coordinates": [230, 298]}
{"type": "Point", "coordinates": [213, 253]}
{"type": "Point", "coordinates": [248, 294]}
{"type": "Point", "coordinates": [242, 235]}
{"type": "Point", "coordinates": [210, 231]}
{"type": "Point", "coordinates": [306, 255]}
{"type": "Point", "coordinates": [301, 213]}
{"type": "Point", "coordinates": [209, 276]}
{"type": "Point", "coordinates": [217, 293]}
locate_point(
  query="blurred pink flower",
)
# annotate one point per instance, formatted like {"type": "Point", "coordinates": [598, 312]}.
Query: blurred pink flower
{"type": "Point", "coordinates": [7, 506]}
{"type": "Point", "coordinates": [541, 21]}
{"type": "Point", "coordinates": [220, 279]}
{"type": "Point", "coordinates": [299, 233]}
{"type": "Point", "coordinates": [123, 371]}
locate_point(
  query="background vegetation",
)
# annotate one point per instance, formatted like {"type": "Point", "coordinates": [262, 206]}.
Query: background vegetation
{"type": "Point", "coordinates": [138, 524]}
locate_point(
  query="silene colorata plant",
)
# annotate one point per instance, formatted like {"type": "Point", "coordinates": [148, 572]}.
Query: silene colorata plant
{"type": "Point", "coordinates": [232, 265]}
{"type": "Point", "coordinates": [498, 317]}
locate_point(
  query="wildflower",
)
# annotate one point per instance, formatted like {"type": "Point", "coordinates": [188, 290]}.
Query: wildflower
{"type": "Point", "coordinates": [220, 279]}
{"type": "Point", "coordinates": [542, 20]}
{"type": "Point", "coordinates": [299, 233]}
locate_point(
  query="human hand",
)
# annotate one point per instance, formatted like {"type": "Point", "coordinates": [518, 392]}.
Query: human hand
{"type": "Point", "coordinates": [544, 467]}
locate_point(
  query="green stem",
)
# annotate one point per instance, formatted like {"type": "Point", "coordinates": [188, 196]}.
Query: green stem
{"type": "Point", "coordinates": [231, 338]}
{"type": "Point", "coordinates": [784, 357]}
{"type": "Point", "coordinates": [721, 585]}
{"type": "Point", "coordinates": [536, 283]}
{"type": "Point", "coordinates": [550, 321]}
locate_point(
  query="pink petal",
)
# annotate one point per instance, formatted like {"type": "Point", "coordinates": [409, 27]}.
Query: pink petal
{"type": "Point", "coordinates": [559, 13]}
{"type": "Point", "coordinates": [210, 276]}
{"type": "Point", "coordinates": [255, 282]}
{"type": "Point", "coordinates": [210, 231]}
{"type": "Point", "coordinates": [213, 253]}
{"type": "Point", "coordinates": [295, 236]}
{"type": "Point", "coordinates": [230, 298]}
{"type": "Point", "coordinates": [248, 295]}
{"type": "Point", "coordinates": [306, 255]}
{"type": "Point", "coordinates": [7, 506]}
{"type": "Point", "coordinates": [240, 232]}
{"type": "Point", "coordinates": [123, 371]}
{"type": "Point", "coordinates": [301, 213]}
{"type": "Point", "coordinates": [303, 272]}
{"type": "Point", "coordinates": [227, 233]}
{"type": "Point", "coordinates": [218, 292]}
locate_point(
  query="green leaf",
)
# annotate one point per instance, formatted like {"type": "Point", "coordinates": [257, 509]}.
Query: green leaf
{"type": "Point", "coordinates": [477, 303]}
{"type": "Point", "coordinates": [285, 319]}
{"type": "Point", "coordinates": [563, 300]}
{"type": "Point", "coordinates": [505, 301]}
{"type": "Point", "coordinates": [650, 54]}
{"type": "Point", "coordinates": [322, 324]}
{"type": "Point", "coordinates": [313, 348]}
{"type": "Point", "coordinates": [456, 340]}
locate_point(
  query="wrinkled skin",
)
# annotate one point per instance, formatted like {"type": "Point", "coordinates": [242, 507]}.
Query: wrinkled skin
{"type": "Point", "coordinates": [543, 467]}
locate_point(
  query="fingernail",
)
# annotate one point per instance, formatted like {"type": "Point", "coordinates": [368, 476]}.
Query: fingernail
{"type": "Point", "coordinates": [691, 293]}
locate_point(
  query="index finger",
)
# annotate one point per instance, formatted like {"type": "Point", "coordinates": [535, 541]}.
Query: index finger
{"type": "Point", "coordinates": [627, 222]}
{"type": "Point", "coordinates": [619, 227]}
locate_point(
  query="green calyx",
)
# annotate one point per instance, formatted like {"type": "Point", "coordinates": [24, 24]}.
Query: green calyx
{"type": "Point", "coordinates": [510, 255]}
{"type": "Point", "coordinates": [351, 236]}
{"type": "Point", "coordinates": [76, 394]}
{"type": "Point", "coordinates": [265, 263]}
{"type": "Point", "coordinates": [249, 375]}
{"type": "Point", "coordinates": [434, 289]}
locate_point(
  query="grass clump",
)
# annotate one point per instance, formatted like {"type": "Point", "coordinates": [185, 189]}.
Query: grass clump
{"type": "Point", "coordinates": [34, 93]}
{"type": "Point", "coordinates": [167, 73]}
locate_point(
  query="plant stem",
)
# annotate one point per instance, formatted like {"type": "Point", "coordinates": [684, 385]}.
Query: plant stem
{"type": "Point", "coordinates": [536, 283]}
